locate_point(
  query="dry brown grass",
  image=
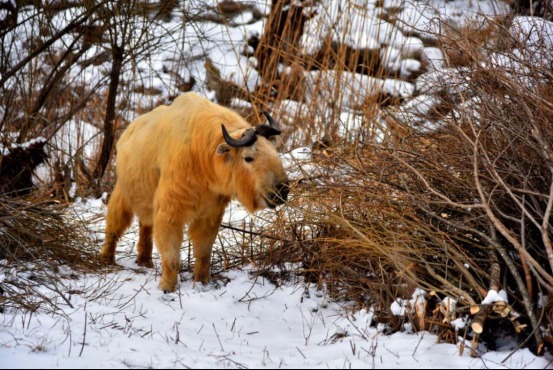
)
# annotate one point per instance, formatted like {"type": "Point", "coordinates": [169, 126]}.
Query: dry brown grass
{"type": "Point", "coordinates": [439, 210]}
{"type": "Point", "coordinates": [307, 88]}
{"type": "Point", "coordinates": [39, 247]}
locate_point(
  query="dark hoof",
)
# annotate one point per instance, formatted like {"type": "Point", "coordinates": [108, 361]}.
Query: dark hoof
{"type": "Point", "coordinates": [167, 288]}
{"type": "Point", "coordinates": [145, 263]}
{"type": "Point", "coordinates": [107, 259]}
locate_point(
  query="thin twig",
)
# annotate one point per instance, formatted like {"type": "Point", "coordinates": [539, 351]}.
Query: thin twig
{"type": "Point", "coordinates": [84, 333]}
{"type": "Point", "coordinates": [219, 339]}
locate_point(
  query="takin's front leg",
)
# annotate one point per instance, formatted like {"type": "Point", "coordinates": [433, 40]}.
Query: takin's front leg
{"type": "Point", "coordinates": [203, 233]}
{"type": "Point", "coordinates": [168, 237]}
{"type": "Point", "coordinates": [168, 225]}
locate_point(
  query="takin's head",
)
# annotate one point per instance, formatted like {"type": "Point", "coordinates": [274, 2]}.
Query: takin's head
{"type": "Point", "coordinates": [253, 166]}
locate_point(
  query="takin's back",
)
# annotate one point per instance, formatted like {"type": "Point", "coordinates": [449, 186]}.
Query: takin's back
{"type": "Point", "coordinates": [176, 138]}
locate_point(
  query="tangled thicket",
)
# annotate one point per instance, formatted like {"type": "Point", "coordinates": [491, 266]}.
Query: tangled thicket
{"type": "Point", "coordinates": [457, 211]}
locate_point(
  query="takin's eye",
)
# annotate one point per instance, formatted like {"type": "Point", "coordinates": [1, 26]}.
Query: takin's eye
{"type": "Point", "coordinates": [248, 159]}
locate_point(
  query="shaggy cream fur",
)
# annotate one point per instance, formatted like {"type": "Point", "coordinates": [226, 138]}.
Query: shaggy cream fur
{"type": "Point", "coordinates": [174, 169]}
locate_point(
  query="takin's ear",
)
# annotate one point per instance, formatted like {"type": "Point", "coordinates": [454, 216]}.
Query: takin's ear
{"type": "Point", "coordinates": [223, 149]}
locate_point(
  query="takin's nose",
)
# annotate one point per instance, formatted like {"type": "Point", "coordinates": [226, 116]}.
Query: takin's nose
{"type": "Point", "coordinates": [280, 194]}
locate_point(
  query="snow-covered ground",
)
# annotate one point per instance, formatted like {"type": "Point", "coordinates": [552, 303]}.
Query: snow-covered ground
{"type": "Point", "coordinates": [247, 323]}
{"type": "Point", "coordinates": [121, 319]}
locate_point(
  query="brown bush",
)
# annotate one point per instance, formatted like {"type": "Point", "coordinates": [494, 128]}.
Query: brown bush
{"type": "Point", "coordinates": [458, 211]}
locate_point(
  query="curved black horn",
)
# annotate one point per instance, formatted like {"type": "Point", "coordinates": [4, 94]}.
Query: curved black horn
{"type": "Point", "coordinates": [248, 138]}
{"type": "Point", "coordinates": [268, 130]}
{"type": "Point", "coordinates": [271, 120]}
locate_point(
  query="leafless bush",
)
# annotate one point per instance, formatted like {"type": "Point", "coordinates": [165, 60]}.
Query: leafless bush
{"type": "Point", "coordinates": [70, 74]}
{"type": "Point", "coordinates": [458, 211]}
{"type": "Point", "coordinates": [51, 99]}
{"type": "Point", "coordinates": [312, 70]}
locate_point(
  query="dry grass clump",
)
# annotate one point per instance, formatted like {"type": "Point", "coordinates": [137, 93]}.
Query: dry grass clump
{"type": "Point", "coordinates": [37, 242]}
{"type": "Point", "coordinates": [33, 230]}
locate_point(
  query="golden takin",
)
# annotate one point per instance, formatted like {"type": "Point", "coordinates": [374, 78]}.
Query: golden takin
{"type": "Point", "coordinates": [181, 165]}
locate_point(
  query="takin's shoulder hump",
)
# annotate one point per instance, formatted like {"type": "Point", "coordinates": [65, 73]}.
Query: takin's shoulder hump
{"type": "Point", "coordinates": [190, 99]}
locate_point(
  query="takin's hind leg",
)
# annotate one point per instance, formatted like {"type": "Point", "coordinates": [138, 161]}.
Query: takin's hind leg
{"type": "Point", "coordinates": [118, 219]}
{"type": "Point", "coordinates": [145, 246]}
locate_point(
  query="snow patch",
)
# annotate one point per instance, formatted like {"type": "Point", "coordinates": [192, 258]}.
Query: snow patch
{"type": "Point", "coordinates": [402, 306]}
{"type": "Point", "coordinates": [412, 47]}
{"type": "Point", "coordinates": [492, 297]}
{"type": "Point", "coordinates": [433, 57]}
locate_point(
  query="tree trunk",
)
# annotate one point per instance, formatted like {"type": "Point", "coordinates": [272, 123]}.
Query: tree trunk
{"type": "Point", "coordinates": [279, 43]}
{"type": "Point", "coordinates": [109, 120]}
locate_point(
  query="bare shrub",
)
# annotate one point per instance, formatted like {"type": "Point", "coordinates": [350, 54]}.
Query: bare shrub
{"type": "Point", "coordinates": [312, 69]}
{"type": "Point", "coordinates": [70, 74]}
{"type": "Point", "coordinates": [458, 211]}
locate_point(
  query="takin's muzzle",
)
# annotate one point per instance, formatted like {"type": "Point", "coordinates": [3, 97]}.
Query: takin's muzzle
{"type": "Point", "coordinates": [279, 195]}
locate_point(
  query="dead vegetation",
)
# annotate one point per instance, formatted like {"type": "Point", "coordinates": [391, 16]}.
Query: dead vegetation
{"type": "Point", "coordinates": [459, 211]}
{"type": "Point", "coordinates": [40, 245]}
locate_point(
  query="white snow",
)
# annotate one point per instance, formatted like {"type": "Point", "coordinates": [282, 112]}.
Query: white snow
{"type": "Point", "coordinates": [536, 33]}
{"type": "Point", "coordinates": [433, 57]}
{"type": "Point", "coordinates": [420, 18]}
{"type": "Point", "coordinates": [398, 88]}
{"type": "Point", "coordinates": [449, 80]}
{"type": "Point", "coordinates": [408, 66]}
{"type": "Point", "coordinates": [542, 300]}
{"type": "Point", "coordinates": [28, 144]}
{"type": "Point", "coordinates": [449, 304]}
{"type": "Point", "coordinates": [459, 323]}
{"type": "Point", "coordinates": [428, 18]}
{"type": "Point", "coordinates": [493, 297]}
{"type": "Point", "coordinates": [247, 323]}
{"type": "Point", "coordinates": [3, 14]}
{"type": "Point", "coordinates": [390, 4]}
{"type": "Point", "coordinates": [420, 105]}
{"type": "Point", "coordinates": [122, 319]}
{"type": "Point", "coordinates": [5, 151]}
{"type": "Point", "coordinates": [353, 87]}
{"type": "Point", "coordinates": [503, 294]}
{"type": "Point", "coordinates": [297, 163]}
{"type": "Point", "coordinates": [359, 26]}
{"type": "Point", "coordinates": [414, 113]}
{"type": "Point", "coordinates": [362, 40]}
{"type": "Point", "coordinates": [390, 57]}
{"type": "Point", "coordinates": [400, 307]}
{"type": "Point", "coordinates": [412, 47]}
{"type": "Point", "coordinates": [534, 48]}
